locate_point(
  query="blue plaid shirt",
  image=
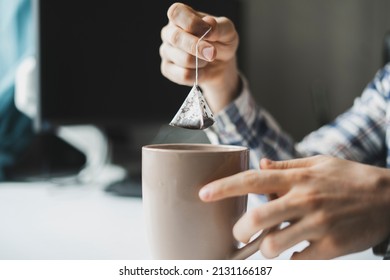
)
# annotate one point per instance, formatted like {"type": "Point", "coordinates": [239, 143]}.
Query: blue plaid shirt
{"type": "Point", "coordinates": [360, 134]}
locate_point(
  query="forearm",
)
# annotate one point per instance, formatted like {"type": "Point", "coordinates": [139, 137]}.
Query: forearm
{"type": "Point", "coordinates": [224, 88]}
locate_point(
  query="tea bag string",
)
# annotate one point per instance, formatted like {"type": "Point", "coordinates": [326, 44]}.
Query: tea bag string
{"type": "Point", "coordinates": [196, 56]}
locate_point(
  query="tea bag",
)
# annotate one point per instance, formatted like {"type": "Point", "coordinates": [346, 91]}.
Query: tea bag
{"type": "Point", "coordinates": [194, 113]}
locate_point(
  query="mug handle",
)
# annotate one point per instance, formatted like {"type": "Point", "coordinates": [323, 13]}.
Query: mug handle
{"type": "Point", "coordinates": [249, 249]}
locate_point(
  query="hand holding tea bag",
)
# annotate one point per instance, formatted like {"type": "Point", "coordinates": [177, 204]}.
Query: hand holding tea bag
{"type": "Point", "coordinates": [195, 113]}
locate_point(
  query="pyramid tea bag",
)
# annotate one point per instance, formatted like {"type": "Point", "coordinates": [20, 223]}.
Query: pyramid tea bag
{"type": "Point", "coordinates": [195, 112]}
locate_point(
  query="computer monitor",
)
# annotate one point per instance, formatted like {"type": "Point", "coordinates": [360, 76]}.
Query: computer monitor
{"type": "Point", "coordinates": [99, 63]}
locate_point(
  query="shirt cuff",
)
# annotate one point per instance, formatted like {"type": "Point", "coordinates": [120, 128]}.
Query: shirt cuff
{"type": "Point", "coordinates": [230, 122]}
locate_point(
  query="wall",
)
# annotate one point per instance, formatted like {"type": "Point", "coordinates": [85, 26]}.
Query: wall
{"type": "Point", "coordinates": [307, 60]}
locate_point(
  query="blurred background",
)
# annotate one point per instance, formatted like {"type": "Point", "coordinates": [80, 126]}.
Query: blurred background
{"type": "Point", "coordinates": [307, 60]}
{"type": "Point", "coordinates": [98, 64]}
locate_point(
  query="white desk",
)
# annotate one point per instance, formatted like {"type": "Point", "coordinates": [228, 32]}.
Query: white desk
{"type": "Point", "coordinates": [42, 221]}
{"type": "Point", "coordinates": [45, 221]}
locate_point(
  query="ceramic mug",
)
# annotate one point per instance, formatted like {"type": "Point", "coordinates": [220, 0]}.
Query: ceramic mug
{"type": "Point", "coordinates": [179, 225]}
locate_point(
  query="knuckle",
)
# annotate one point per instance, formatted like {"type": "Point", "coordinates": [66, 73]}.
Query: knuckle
{"type": "Point", "coordinates": [174, 10]}
{"type": "Point", "coordinates": [269, 247]}
{"type": "Point", "coordinates": [175, 37]}
{"type": "Point", "coordinates": [161, 50]}
{"type": "Point", "coordinates": [254, 218]}
{"type": "Point", "coordinates": [284, 164]}
{"type": "Point", "coordinates": [226, 20]}
{"type": "Point", "coordinates": [322, 222]}
{"type": "Point", "coordinates": [192, 47]}
{"type": "Point", "coordinates": [305, 198]}
{"type": "Point", "coordinates": [250, 178]}
{"type": "Point", "coordinates": [292, 203]}
{"type": "Point", "coordinates": [322, 219]}
{"type": "Point", "coordinates": [163, 33]}
{"type": "Point", "coordinates": [163, 68]}
{"type": "Point", "coordinates": [320, 158]}
{"type": "Point", "coordinates": [303, 175]}
{"type": "Point", "coordinates": [312, 200]}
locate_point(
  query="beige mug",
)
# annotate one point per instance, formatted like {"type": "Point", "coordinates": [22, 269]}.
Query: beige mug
{"type": "Point", "coordinates": [179, 225]}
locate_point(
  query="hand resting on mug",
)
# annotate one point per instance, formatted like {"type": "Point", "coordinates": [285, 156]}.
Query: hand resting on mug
{"type": "Point", "coordinates": [338, 206]}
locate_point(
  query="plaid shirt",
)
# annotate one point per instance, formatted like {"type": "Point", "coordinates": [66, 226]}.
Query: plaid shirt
{"type": "Point", "coordinates": [360, 134]}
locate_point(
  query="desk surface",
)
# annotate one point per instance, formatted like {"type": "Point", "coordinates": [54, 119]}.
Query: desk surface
{"type": "Point", "coordinates": [47, 221]}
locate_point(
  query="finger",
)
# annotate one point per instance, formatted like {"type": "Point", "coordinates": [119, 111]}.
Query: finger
{"type": "Point", "coordinates": [277, 242]}
{"type": "Point", "coordinates": [182, 35]}
{"type": "Point", "coordinates": [188, 19]}
{"type": "Point", "coordinates": [179, 57]}
{"type": "Point", "coordinates": [265, 216]}
{"type": "Point", "coordinates": [314, 251]}
{"type": "Point", "coordinates": [222, 30]}
{"type": "Point", "coordinates": [187, 42]}
{"type": "Point", "coordinates": [286, 164]}
{"type": "Point", "coordinates": [251, 181]}
{"type": "Point", "coordinates": [177, 74]}
{"type": "Point", "coordinates": [223, 36]}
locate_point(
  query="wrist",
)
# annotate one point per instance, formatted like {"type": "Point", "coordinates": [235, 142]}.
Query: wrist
{"type": "Point", "coordinates": [221, 92]}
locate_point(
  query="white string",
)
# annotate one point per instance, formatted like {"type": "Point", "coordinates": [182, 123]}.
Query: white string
{"type": "Point", "coordinates": [196, 56]}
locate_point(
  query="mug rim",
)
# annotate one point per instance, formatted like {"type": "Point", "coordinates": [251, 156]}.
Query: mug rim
{"type": "Point", "coordinates": [201, 148]}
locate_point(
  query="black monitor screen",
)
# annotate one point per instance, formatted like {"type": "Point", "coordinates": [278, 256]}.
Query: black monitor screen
{"type": "Point", "coordinates": [100, 64]}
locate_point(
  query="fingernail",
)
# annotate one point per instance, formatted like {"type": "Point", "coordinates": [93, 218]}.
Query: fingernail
{"type": "Point", "coordinates": [208, 53]}
{"type": "Point", "coordinates": [204, 193]}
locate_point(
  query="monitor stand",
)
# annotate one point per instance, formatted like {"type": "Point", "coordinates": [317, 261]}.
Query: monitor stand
{"type": "Point", "coordinates": [130, 186]}
{"type": "Point", "coordinates": [102, 147]}
{"type": "Point", "coordinates": [107, 146]}
{"type": "Point", "coordinates": [126, 152]}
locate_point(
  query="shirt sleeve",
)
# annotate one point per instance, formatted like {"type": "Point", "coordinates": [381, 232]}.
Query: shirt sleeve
{"type": "Point", "coordinates": [245, 123]}
{"type": "Point", "coordinates": [358, 134]}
